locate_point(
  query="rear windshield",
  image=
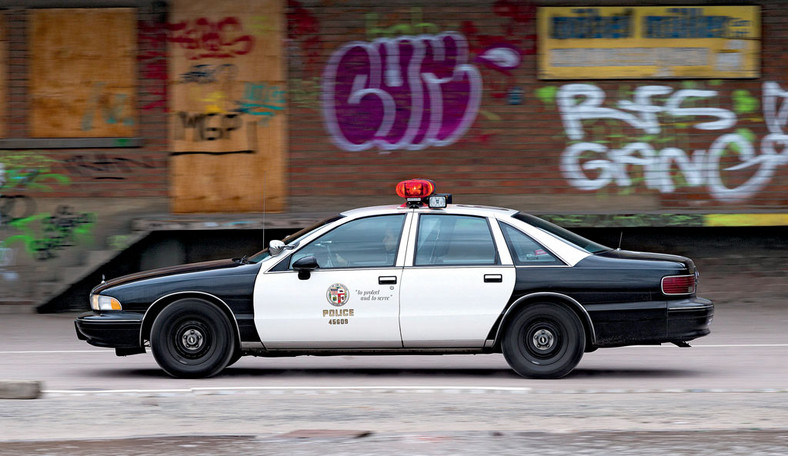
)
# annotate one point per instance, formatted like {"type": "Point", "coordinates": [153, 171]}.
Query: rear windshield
{"type": "Point", "coordinates": [568, 236]}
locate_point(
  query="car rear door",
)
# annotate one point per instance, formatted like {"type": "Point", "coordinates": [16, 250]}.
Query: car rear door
{"type": "Point", "coordinates": [457, 279]}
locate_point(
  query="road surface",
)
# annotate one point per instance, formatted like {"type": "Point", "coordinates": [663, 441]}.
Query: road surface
{"type": "Point", "coordinates": [728, 394]}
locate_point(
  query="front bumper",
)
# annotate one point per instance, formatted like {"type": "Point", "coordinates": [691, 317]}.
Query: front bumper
{"type": "Point", "coordinates": [112, 329]}
{"type": "Point", "coordinates": [689, 319]}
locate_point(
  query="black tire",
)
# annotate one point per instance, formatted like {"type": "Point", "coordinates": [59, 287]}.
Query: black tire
{"type": "Point", "coordinates": [192, 338]}
{"type": "Point", "coordinates": [544, 341]}
{"type": "Point", "coordinates": [237, 354]}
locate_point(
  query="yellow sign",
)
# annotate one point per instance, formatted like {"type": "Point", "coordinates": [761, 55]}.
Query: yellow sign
{"type": "Point", "coordinates": [649, 42]}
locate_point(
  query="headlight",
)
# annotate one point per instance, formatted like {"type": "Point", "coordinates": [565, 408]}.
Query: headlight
{"type": "Point", "coordinates": [101, 302]}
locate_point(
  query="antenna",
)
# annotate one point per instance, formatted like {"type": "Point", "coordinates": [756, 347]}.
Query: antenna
{"type": "Point", "coordinates": [620, 238]}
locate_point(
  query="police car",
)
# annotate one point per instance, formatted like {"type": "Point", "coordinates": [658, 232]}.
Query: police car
{"type": "Point", "coordinates": [425, 276]}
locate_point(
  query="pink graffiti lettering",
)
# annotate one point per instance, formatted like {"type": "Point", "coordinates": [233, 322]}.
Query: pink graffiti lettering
{"type": "Point", "coordinates": [405, 93]}
{"type": "Point", "coordinates": [205, 39]}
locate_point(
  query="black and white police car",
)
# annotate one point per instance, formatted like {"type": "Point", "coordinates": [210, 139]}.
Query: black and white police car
{"type": "Point", "coordinates": [421, 277]}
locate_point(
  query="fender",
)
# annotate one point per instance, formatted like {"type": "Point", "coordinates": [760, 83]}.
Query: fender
{"type": "Point", "coordinates": [521, 301]}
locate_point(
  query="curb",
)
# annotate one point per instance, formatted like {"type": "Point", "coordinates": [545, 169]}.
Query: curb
{"type": "Point", "coordinates": [20, 389]}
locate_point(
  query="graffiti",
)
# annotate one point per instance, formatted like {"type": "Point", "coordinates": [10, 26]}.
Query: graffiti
{"type": "Point", "coordinates": [594, 165]}
{"type": "Point", "coordinates": [261, 99]}
{"type": "Point", "coordinates": [28, 171]}
{"type": "Point", "coordinates": [21, 172]}
{"type": "Point", "coordinates": [416, 26]}
{"type": "Point", "coordinates": [402, 93]}
{"type": "Point", "coordinates": [303, 28]}
{"type": "Point", "coordinates": [262, 25]}
{"type": "Point", "coordinates": [102, 167]}
{"type": "Point", "coordinates": [112, 108]}
{"type": "Point", "coordinates": [63, 229]}
{"type": "Point", "coordinates": [304, 93]}
{"type": "Point", "coordinates": [624, 220]}
{"type": "Point", "coordinates": [153, 62]}
{"type": "Point", "coordinates": [502, 53]}
{"type": "Point", "coordinates": [206, 39]}
{"type": "Point", "coordinates": [15, 207]}
{"type": "Point", "coordinates": [205, 74]}
{"type": "Point", "coordinates": [207, 126]}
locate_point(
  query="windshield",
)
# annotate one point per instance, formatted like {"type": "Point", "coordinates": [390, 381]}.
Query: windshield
{"type": "Point", "coordinates": [568, 236]}
{"type": "Point", "coordinates": [294, 238]}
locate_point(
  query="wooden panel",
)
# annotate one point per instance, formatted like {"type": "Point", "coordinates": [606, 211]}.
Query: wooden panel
{"type": "Point", "coordinates": [3, 76]}
{"type": "Point", "coordinates": [83, 72]}
{"type": "Point", "coordinates": [227, 106]}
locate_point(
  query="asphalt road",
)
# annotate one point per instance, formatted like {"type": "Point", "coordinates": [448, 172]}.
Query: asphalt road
{"type": "Point", "coordinates": [726, 395]}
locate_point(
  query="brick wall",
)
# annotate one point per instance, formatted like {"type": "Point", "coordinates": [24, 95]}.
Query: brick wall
{"type": "Point", "coordinates": [515, 152]}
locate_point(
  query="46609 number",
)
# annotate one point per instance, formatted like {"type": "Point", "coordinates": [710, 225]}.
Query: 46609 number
{"type": "Point", "coordinates": [338, 321]}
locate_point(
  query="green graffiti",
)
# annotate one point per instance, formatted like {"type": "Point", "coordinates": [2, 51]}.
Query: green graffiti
{"type": "Point", "coordinates": [624, 220]}
{"type": "Point", "coordinates": [546, 95]}
{"type": "Point", "coordinates": [744, 103]}
{"type": "Point", "coordinates": [29, 170]}
{"type": "Point", "coordinates": [43, 234]}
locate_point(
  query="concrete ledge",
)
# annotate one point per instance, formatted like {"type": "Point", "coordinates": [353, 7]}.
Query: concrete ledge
{"type": "Point", "coordinates": [20, 389]}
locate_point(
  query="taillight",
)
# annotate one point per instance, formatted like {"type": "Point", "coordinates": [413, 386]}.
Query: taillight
{"type": "Point", "coordinates": [678, 285]}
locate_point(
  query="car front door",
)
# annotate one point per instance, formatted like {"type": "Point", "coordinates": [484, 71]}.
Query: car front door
{"type": "Point", "coordinates": [456, 283]}
{"type": "Point", "coordinates": [351, 300]}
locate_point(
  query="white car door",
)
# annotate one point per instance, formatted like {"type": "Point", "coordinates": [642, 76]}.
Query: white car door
{"type": "Point", "coordinates": [350, 301]}
{"type": "Point", "coordinates": [456, 283]}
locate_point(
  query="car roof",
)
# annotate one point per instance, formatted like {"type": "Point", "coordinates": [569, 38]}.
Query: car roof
{"type": "Point", "coordinates": [466, 209]}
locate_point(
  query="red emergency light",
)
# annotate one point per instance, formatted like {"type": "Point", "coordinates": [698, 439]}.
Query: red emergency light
{"type": "Point", "coordinates": [415, 188]}
{"type": "Point", "coordinates": [421, 192]}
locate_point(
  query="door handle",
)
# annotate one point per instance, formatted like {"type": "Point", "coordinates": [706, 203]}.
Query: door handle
{"type": "Point", "coordinates": [493, 278]}
{"type": "Point", "coordinates": [387, 280]}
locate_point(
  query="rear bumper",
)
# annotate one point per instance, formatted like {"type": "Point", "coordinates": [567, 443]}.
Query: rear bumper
{"type": "Point", "coordinates": [689, 319]}
{"type": "Point", "coordinates": [115, 330]}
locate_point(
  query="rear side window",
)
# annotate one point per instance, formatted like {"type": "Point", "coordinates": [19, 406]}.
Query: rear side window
{"type": "Point", "coordinates": [525, 251]}
{"type": "Point", "coordinates": [454, 240]}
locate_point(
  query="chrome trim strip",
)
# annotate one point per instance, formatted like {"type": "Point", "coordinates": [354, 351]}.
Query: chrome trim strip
{"type": "Point", "coordinates": [548, 293]}
{"type": "Point", "coordinates": [153, 304]}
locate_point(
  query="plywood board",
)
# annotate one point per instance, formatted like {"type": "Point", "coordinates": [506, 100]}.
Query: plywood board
{"type": "Point", "coordinates": [228, 129]}
{"type": "Point", "coordinates": [83, 72]}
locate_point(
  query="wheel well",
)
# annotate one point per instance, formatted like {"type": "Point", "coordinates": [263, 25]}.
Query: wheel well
{"type": "Point", "coordinates": [155, 309]}
{"type": "Point", "coordinates": [557, 299]}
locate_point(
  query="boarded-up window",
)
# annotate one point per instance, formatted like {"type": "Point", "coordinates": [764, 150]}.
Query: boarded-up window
{"type": "Point", "coordinates": [83, 72]}
{"type": "Point", "coordinates": [227, 105]}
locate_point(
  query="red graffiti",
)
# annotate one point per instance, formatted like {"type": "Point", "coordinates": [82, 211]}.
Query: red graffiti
{"type": "Point", "coordinates": [517, 34]}
{"type": "Point", "coordinates": [304, 28]}
{"type": "Point", "coordinates": [153, 61]}
{"type": "Point", "coordinates": [205, 39]}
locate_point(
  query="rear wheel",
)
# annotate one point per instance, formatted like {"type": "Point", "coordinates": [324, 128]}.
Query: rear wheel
{"type": "Point", "coordinates": [544, 341]}
{"type": "Point", "coordinates": [192, 338]}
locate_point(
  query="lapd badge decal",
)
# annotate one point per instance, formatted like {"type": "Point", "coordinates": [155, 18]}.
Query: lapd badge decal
{"type": "Point", "coordinates": [337, 295]}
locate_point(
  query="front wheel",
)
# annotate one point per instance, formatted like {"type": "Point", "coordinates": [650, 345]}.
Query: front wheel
{"type": "Point", "coordinates": [544, 341]}
{"type": "Point", "coordinates": [192, 338]}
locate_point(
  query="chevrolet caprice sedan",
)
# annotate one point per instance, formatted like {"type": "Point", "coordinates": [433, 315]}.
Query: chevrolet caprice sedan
{"type": "Point", "coordinates": [425, 276]}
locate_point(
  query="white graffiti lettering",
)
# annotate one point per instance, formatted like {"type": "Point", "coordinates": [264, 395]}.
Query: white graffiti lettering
{"type": "Point", "coordinates": [592, 166]}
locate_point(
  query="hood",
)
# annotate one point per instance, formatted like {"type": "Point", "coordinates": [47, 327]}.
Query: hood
{"type": "Point", "coordinates": [648, 256]}
{"type": "Point", "coordinates": [168, 271]}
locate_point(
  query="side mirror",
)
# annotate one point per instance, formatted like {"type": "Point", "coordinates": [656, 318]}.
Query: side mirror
{"type": "Point", "coordinates": [276, 247]}
{"type": "Point", "coordinates": [305, 266]}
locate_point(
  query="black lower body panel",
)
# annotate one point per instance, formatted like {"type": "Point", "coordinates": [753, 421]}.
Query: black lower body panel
{"type": "Point", "coordinates": [114, 330]}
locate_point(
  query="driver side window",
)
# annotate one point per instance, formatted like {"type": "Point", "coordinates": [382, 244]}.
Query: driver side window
{"type": "Point", "coordinates": [366, 242]}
